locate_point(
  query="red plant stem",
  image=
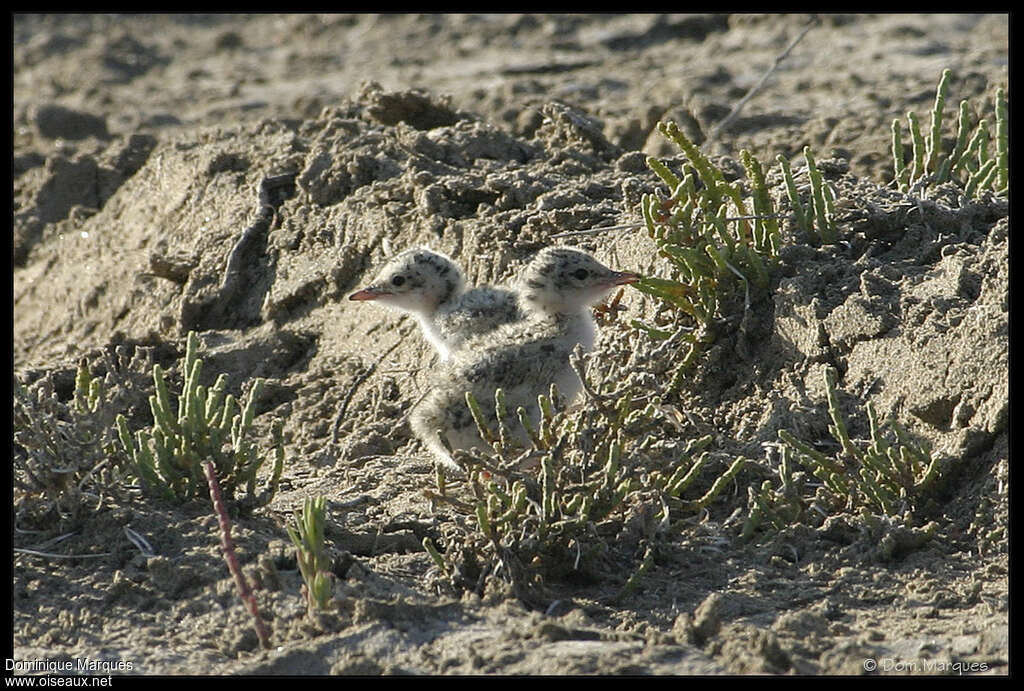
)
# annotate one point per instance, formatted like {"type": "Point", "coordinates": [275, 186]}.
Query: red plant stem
{"type": "Point", "coordinates": [228, 546]}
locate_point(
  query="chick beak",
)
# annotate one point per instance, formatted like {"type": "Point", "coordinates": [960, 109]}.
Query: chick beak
{"type": "Point", "coordinates": [623, 277]}
{"type": "Point", "coordinates": [371, 293]}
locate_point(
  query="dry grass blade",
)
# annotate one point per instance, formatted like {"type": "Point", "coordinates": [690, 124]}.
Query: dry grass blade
{"type": "Point", "coordinates": [736, 109]}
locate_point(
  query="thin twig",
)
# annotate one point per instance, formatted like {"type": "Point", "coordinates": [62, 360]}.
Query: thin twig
{"type": "Point", "coordinates": [601, 229]}
{"type": "Point", "coordinates": [746, 285]}
{"type": "Point", "coordinates": [52, 541]}
{"type": "Point", "coordinates": [451, 501]}
{"type": "Point", "coordinates": [140, 542]}
{"type": "Point", "coordinates": [754, 217]}
{"type": "Point", "coordinates": [228, 546]}
{"type": "Point", "coordinates": [355, 387]}
{"type": "Point", "coordinates": [669, 343]}
{"type": "Point", "coordinates": [53, 555]}
{"type": "Point", "coordinates": [579, 367]}
{"type": "Point", "coordinates": [760, 83]}
{"type": "Point", "coordinates": [408, 412]}
{"type": "Point", "coordinates": [626, 226]}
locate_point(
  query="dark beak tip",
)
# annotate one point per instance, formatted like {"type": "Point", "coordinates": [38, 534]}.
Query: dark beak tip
{"type": "Point", "coordinates": [364, 294]}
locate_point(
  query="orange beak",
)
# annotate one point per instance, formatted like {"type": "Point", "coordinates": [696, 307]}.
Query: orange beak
{"type": "Point", "coordinates": [371, 293]}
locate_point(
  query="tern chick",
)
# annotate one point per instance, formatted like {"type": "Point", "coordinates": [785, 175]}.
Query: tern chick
{"type": "Point", "coordinates": [523, 359]}
{"type": "Point", "coordinates": [430, 286]}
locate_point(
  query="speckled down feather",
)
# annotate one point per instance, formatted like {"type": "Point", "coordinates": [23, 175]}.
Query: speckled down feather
{"type": "Point", "coordinates": [429, 286]}
{"type": "Point", "coordinates": [522, 358]}
{"type": "Point", "coordinates": [521, 368]}
{"type": "Point", "coordinates": [476, 312]}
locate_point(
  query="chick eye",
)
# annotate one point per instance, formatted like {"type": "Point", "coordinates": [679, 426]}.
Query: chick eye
{"type": "Point", "coordinates": [581, 273]}
{"type": "Point", "coordinates": [397, 281]}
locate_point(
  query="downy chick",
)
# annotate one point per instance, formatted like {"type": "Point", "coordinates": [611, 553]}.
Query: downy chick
{"type": "Point", "coordinates": [556, 291]}
{"type": "Point", "coordinates": [430, 286]}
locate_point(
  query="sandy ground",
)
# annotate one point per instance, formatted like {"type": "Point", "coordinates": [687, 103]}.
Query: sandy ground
{"type": "Point", "coordinates": [146, 152]}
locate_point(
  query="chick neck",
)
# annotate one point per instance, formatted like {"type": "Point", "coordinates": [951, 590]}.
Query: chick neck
{"type": "Point", "coordinates": [427, 316]}
{"type": "Point", "coordinates": [573, 321]}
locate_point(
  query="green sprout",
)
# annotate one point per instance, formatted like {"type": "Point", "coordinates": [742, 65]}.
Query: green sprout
{"type": "Point", "coordinates": [775, 508]}
{"type": "Point", "coordinates": [705, 230]}
{"type": "Point", "coordinates": [976, 162]}
{"type": "Point", "coordinates": [816, 217]}
{"type": "Point", "coordinates": [536, 508]}
{"type": "Point", "coordinates": [307, 534]}
{"type": "Point", "coordinates": [823, 201]}
{"type": "Point", "coordinates": [886, 476]}
{"type": "Point", "coordinates": [63, 450]}
{"type": "Point", "coordinates": [712, 232]}
{"type": "Point", "coordinates": [204, 424]}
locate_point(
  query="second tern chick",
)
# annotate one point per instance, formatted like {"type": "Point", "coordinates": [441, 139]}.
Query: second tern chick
{"type": "Point", "coordinates": [523, 359]}
{"type": "Point", "coordinates": [430, 286]}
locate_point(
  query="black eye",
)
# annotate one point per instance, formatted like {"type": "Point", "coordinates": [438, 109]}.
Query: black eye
{"type": "Point", "coordinates": [397, 281]}
{"type": "Point", "coordinates": [581, 273]}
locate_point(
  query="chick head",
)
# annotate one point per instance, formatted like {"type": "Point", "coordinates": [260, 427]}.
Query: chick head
{"type": "Point", "coordinates": [561, 280]}
{"type": "Point", "coordinates": [416, 280]}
